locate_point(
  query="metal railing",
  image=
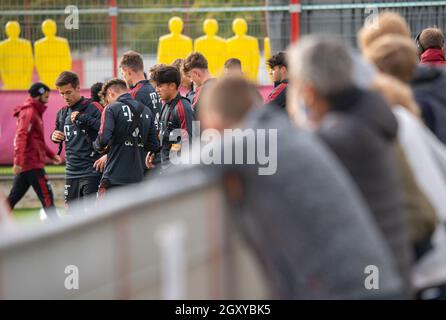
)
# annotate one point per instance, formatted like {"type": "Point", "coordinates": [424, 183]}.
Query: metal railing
{"type": "Point", "coordinates": [171, 238]}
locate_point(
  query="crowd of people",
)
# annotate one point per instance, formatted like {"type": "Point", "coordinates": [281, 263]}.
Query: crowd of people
{"type": "Point", "coordinates": [361, 155]}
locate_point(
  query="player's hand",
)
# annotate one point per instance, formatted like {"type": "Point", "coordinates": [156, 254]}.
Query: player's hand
{"type": "Point", "coordinates": [57, 136]}
{"type": "Point", "coordinates": [17, 169]}
{"type": "Point", "coordinates": [149, 160]}
{"type": "Point", "coordinates": [74, 116]}
{"type": "Point", "coordinates": [57, 160]}
{"type": "Point", "coordinates": [99, 164]}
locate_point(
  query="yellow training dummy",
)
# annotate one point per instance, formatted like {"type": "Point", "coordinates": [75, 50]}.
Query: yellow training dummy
{"type": "Point", "coordinates": [245, 48]}
{"type": "Point", "coordinates": [16, 59]}
{"type": "Point", "coordinates": [212, 47]}
{"type": "Point", "coordinates": [52, 54]}
{"type": "Point", "coordinates": [174, 45]}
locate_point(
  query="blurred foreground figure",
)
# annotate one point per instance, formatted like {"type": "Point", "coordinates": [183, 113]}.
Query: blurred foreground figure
{"type": "Point", "coordinates": [307, 223]}
{"type": "Point", "coordinates": [427, 81]}
{"type": "Point", "coordinates": [359, 127]}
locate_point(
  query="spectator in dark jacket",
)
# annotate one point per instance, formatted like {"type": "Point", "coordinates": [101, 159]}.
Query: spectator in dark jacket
{"type": "Point", "coordinates": [31, 151]}
{"type": "Point", "coordinates": [428, 85]}
{"type": "Point", "coordinates": [359, 127]}
{"type": "Point", "coordinates": [315, 237]}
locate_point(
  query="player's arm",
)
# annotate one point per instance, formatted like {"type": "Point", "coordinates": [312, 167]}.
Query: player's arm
{"type": "Point", "coordinates": [58, 136]}
{"type": "Point", "coordinates": [105, 131]}
{"type": "Point", "coordinates": [153, 143]}
{"type": "Point", "coordinates": [184, 117]}
{"type": "Point", "coordinates": [91, 120]}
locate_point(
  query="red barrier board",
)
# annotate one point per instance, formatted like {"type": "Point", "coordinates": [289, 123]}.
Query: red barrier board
{"type": "Point", "coordinates": [10, 99]}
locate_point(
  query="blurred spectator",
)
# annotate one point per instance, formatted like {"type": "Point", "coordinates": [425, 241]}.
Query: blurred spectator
{"type": "Point", "coordinates": [389, 23]}
{"type": "Point", "coordinates": [311, 244]}
{"type": "Point", "coordinates": [426, 157]}
{"type": "Point", "coordinates": [358, 126]}
{"type": "Point", "coordinates": [394, 55]}
{"type": "Point", "coordinates": [425, 152]}
{"type": "Point", "coordinates": [430, 44]}
{"type": "Point", "coordinates": [428, 83]}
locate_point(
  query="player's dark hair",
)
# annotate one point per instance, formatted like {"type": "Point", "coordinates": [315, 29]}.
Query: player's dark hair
{"type": "Point", "coordinates": [167, 74]}
{"type": "Point", "coordinates": [279, 59]}
{"type": "Point", "coordinates": [94, 91]}
{"type": "Point", "coordinates": [67, 77]}
{"type": "Point", "coordinates": [195, 61]}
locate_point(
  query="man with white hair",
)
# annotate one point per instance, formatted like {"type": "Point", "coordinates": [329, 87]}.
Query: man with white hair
{"type": "Point", "coordinates": [359, 127]}
{"type": "Point", "coordinates": [315, 236]}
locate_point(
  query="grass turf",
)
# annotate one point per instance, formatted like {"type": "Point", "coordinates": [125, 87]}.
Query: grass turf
{"type": "Point", "coordinates": [7, 170]}
{"type": "Point", "coordinates": [26, 215]}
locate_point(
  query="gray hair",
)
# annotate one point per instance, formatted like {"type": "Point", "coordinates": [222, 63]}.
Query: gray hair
{"type": "Point", "coordinates": [322, 61]}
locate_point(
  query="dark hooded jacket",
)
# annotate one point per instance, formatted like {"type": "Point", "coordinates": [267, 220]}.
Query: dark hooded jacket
{"type": "Point", "coordinates": [429, 85]}
{"type": "Point", "coordinates": [316, 236]}
{"type": "Point", "coordinates": [361, 130]}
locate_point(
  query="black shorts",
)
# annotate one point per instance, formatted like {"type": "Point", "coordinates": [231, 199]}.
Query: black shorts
{"type": "Point", "coordinates": [76, 188]}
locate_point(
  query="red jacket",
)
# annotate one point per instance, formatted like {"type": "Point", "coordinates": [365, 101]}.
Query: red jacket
{"type": "Point", "coordinates": [30, 150]}
{"type": "Point", "coordinates": [433, 57]}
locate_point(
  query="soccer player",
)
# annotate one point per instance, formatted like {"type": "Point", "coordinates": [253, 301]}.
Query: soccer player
{"type": "Point", "coordinates": [30, 151]}
{"type": "Point", "coordinates": [94, 93]}
{"type": "Point", "coordinates": [132, 70]}
{"type": "Point", "coordinates": [127, 130]}
{"type": "Point", "coordinates": [77, 124]}
{"type": "Point", "coordinates": [186, 82]}
{"type": "Point", "coordinates": [196, 68]}
{"type": "Point", "coordinates": [279, 74]}
{"type": "Point", "coordinates": [176, 112]}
